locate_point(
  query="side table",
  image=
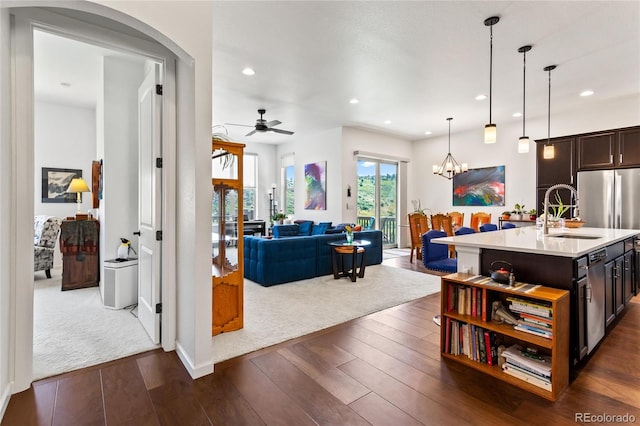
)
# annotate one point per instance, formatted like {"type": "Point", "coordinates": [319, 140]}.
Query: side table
{"type": "Point", "coordinates": [353, 249]}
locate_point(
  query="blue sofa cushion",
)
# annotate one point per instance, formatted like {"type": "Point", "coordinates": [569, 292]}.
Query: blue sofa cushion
{"type": "Point", "coordinates": [304, 228]}
{"type": "Point", "coordinates": [320, 228]}
{"type": "Point", "coordinates": [280, 231]}
{"type": "Point", "coordinates": [276, 261]}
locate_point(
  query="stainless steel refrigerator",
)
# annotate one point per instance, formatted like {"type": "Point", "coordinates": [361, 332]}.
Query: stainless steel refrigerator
{"type": "Point", "coordinates": [610, 198]}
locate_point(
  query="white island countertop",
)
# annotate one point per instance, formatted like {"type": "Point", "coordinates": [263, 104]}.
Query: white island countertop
{"type": "Point", "coordinates": [529, 239]}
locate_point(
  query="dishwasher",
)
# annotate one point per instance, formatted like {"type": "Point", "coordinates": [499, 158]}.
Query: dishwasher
{"type": "Point", "coordinates": [595, 298]}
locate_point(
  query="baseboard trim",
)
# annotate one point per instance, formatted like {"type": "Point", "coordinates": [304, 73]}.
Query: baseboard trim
{"type": "Point", "coordinates": [195, 371]}
{"type": "Point", "coordinates": [6, 396]}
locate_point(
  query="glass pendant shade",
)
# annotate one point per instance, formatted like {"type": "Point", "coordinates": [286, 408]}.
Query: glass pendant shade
{"type": "Point", "coordinates": [523, 145]}
{"type": "Point", "coordinates": [490, 133]}
{"type": "Point", "coordinates": [548, 152]}
{"type": "Point", "coordinates": [523, 142]}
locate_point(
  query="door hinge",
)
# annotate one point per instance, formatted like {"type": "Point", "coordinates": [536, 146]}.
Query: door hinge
{"type": "Point", "coordinates": [159, 163]}
{"type": "Point", "coordinates": [159, 89]}
{"type": "Point", "coordinates": [158, 235]}
{"type": "Point", "coordinates": [158, 308]}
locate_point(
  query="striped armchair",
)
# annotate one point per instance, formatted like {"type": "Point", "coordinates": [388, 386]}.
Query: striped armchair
{"type": "Point", "coordinates": [45, 234]}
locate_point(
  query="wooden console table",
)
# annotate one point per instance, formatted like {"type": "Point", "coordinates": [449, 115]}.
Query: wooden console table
{"type": "Point", "coordinates": [79, 244]}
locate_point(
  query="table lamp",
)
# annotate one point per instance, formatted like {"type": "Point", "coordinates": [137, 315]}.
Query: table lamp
{"type": "Point", "coordinates": [78, 186]}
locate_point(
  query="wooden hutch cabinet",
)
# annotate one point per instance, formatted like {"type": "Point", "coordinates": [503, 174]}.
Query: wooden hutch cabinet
{"type": "Point", "coordinates": [227, 231]}
{"type": "Point", "coordinates": [79, 244]}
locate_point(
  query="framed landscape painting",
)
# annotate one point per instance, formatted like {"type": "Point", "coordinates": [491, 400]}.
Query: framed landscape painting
{"type": "Point", "coordinates": [315, 178]}
{"type": "Point", "coordinates": [479, 187]}
{"type": "Point", "coordinates": [55, 183]}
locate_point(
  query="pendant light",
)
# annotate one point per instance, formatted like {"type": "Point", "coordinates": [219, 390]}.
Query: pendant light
{"type": "Point", "coordinates": [549, 151]}
{"type": "Point", "coordinates": [523, 142]}
{"type": "Point", "coordinates": [449, 167]}
{"type": "Point", "coordinates": [490, 130]}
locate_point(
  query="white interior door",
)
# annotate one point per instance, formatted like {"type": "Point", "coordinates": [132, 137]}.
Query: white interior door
{"type": "Point", "coordinates": [149, 194]}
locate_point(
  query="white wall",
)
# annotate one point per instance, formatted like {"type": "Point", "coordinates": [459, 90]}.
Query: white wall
{"type": "Point", "coordinates": [119, 124]}
{"type": "Point", "coordinates": [435, 192]}
{"type": "Point", "coordinates": [64, 137]}
{"type": "Point", "coordinates": [5, 215]}
{"type": "Point", "coordinates": [323, 146]}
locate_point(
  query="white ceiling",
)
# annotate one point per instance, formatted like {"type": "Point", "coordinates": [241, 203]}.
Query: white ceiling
{"type": "Point", "coordinates": [414, 63]}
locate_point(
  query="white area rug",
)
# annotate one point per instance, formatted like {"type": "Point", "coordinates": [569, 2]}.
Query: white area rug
{"type": "Point", "coordinates": [395, 252]}
{"type": "Point", "coordinates": [283, 312]}
{"type": "Point", "coordinates": [72, 329]}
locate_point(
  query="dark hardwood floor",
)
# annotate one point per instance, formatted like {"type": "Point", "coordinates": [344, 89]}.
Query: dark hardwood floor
{"type": "Point", "coordinates": [381, 369]}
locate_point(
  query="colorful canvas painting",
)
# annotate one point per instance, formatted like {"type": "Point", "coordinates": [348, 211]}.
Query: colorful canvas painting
{"type": "Point", "coordinates": [479, 187]}
{"type": "Point", "coordinates": [315, 178]}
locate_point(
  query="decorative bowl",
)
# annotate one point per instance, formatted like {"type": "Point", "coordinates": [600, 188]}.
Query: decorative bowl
{"type": "Point", "coordinates": [573, 223]}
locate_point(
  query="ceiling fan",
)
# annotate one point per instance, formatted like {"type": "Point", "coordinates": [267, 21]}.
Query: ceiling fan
{"type": "Point", "coordinates": [263, 126]}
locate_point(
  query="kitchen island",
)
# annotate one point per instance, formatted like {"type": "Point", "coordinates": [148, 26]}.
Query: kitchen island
{"type": "Point", "coordinates": [595, 264]}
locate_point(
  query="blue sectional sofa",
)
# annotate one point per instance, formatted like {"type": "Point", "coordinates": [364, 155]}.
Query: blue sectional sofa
{"type": "Point", "coordinates": [280, 260]}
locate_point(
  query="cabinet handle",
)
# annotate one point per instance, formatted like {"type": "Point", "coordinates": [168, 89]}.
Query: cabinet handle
{"type": "Point", "coordinates": [621, 158]}
{"type": "Point", "coordinates": [611, 158]}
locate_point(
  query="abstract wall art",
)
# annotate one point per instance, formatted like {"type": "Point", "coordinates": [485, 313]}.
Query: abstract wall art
{"type": "Point", "coordinates": [315, 177]}
{"type": "Point", "coordinates": [479, 187]}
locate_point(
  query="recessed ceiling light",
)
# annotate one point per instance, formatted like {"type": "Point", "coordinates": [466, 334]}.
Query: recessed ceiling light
{"type": "Point", "coordinates": [586, 93]}
{"type": "Point", "coordinates": [354, 101]}
{"type": "Point", "coordinates": [481, 97]}
{"type": "Point", "coordinates": [65, 84]}
{"type": "Point", "coordinates": [428, 132]}
{"type": "Point", "coordinates": [516, 114]}
{"type": "Point", "coordinates": [387, 121]}
{"type": "Point", "coordinates": [248, 71]}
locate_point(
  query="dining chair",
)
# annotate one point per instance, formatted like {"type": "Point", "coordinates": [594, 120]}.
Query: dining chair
{"type": "Point", "coordinates": [457, 219]}
{"type": "Point", "coordinates": [508, 225]}
{"type": "Point", "coordinates": [479, 218]}
{"type": "Point", "coordinates": [418, 225]}
{"type": "Point", "coordinates": [488, 227]}
{"type": "Point", "coordinates": [447, 227]}
{"type": "Point", "coordinates": [436, 221]}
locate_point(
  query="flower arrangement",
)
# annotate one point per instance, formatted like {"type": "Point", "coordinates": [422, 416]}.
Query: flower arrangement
{"type": "Point", "coordinates": [348, 229]}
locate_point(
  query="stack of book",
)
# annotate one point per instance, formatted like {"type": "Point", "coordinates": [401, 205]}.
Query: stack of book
{"type": "Point", "coordinates": [534, 317]}
{"type": "Point", "coordinates": [532, 368]}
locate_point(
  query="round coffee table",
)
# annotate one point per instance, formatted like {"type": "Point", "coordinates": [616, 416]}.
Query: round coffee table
{"type": "Point", "coordinates": [340, 249]}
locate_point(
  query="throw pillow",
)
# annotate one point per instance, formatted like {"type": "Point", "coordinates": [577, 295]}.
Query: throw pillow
{"type": "Point", "coordinates": [280, 231]}
{"type": "Point", "coordinates": [304, 228]}
{"type": "Point", "coordinates": [320, 229]}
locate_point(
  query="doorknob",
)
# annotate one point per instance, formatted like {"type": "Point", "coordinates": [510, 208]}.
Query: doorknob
{"type": "Point", "coordinates": [137, 233]}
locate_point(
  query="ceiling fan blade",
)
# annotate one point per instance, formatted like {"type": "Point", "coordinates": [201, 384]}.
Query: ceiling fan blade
{"type": "Point", "coordinates": [234, 124]}
{"type": "Point", "coordinates": [273, 123]}
{"type": "Point", "coordinates": [251, 132]}
{"type": "Point", "coordinates": [284, 132]}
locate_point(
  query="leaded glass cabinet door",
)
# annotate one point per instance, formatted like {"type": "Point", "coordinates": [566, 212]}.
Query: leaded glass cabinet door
{"type": "Point", "coordinates": [227, 267]}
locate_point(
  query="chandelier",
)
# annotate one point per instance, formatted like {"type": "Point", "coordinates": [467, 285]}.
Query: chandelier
{"type": "Point", "coordinates": [450, 167]}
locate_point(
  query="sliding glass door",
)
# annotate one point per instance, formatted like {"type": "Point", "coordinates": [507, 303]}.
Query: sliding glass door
{"type": "Point", "coordinates": [378, 198]}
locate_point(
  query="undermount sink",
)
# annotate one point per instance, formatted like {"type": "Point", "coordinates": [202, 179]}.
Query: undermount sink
{"type": "Point", "coordinates": [575, 236]}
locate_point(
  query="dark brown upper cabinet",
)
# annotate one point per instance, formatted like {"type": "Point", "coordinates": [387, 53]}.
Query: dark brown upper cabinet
{"type": "Point", "coordinates": [609, 149]}
{"type": "Point", "coordinates": [560, 168]}
{"type": "Point", "coordinates": [629, 147]}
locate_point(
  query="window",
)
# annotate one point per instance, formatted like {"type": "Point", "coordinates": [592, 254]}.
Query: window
{"type": "Point", "coordinates": [288, 175]}
{"type": "Point", "coordinates": [250, 184]}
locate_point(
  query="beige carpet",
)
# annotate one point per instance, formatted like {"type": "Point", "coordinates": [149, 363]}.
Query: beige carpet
{"type": "Point", "coordinates": [72, 329]}
{"type": "Point", "coordinates": [283, 312]}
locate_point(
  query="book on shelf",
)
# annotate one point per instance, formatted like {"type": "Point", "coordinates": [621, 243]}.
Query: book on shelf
{"type": "Point", "coordinates": [525, 306]}
{"type": "Point", "coordinates": [534, 330]}
{"type": "Point", "coordinates": [535, 362]}
{"type": "Point", "coordinates": [510, 370]}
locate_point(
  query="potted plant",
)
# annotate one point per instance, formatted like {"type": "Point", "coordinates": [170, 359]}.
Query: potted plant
{"type": "Point", "coordinates": [506, 215]}
{"type": "Point", "coordinates": [517, 211]}
{"type": "Point", "coordinates": [279, 217]}
{"type": "Point", "coordinates": [532, 214]}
